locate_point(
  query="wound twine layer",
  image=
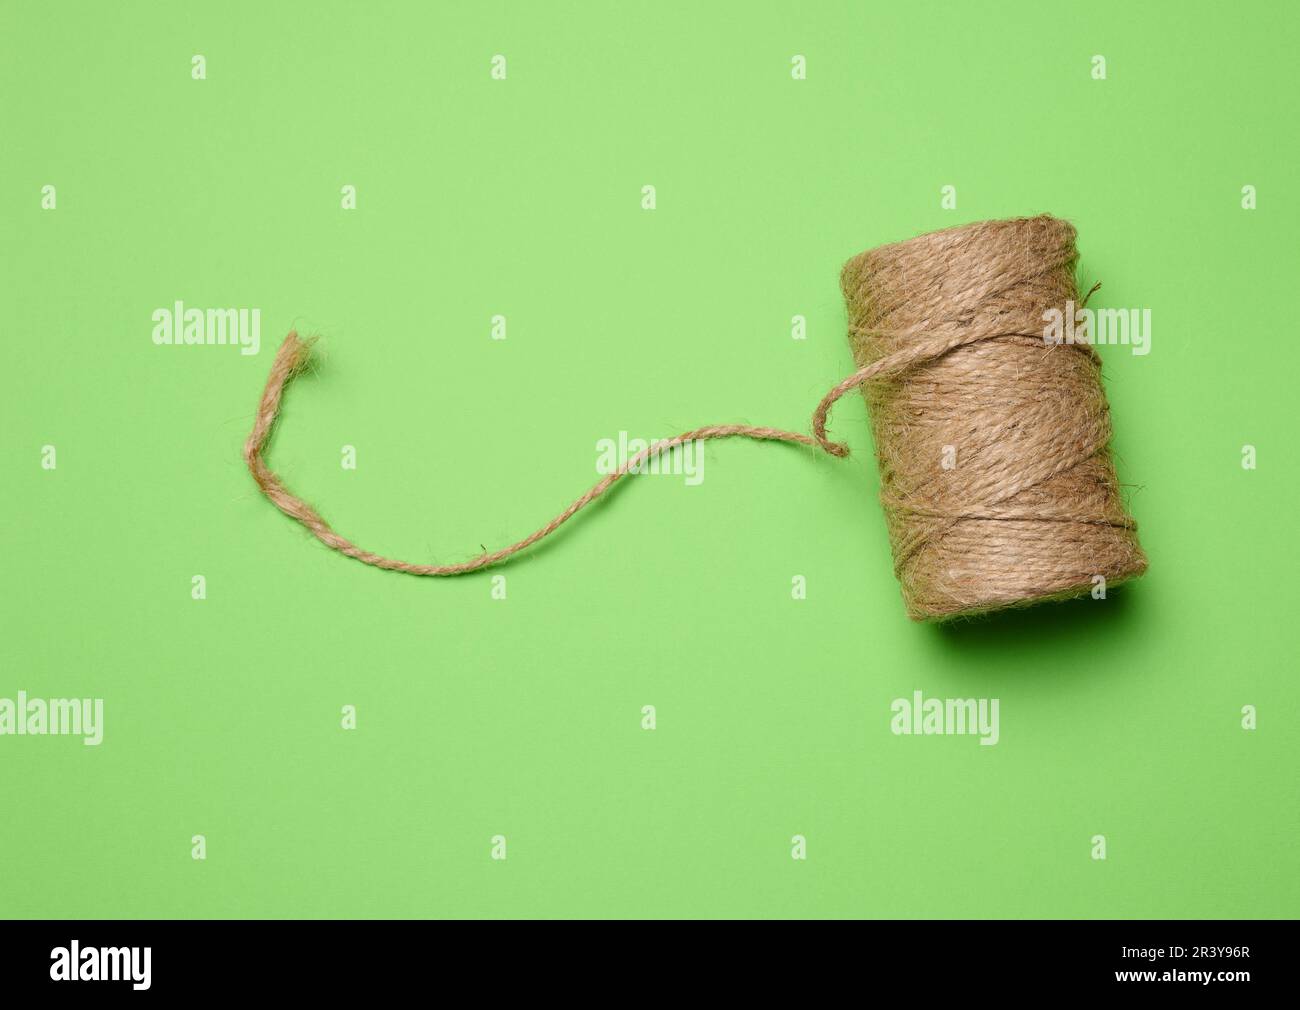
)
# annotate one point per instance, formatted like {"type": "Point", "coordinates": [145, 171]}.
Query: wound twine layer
{"type": "Point", "coordinates": [995, 475]}
{"type": "Point", "coordinates": [947, 332]}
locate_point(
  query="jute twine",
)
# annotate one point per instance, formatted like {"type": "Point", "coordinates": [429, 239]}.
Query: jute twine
{"type": "Point", "coordinates": [995, 477]}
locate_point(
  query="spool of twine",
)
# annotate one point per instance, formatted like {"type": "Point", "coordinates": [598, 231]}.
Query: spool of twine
{"type": "Point", "coordinates": [995, 473]}
{"type": "Point", "coordinates": [996, 479]}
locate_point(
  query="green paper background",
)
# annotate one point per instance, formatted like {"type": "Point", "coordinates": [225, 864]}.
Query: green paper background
{"type": "Point", "coordinates": [522, 717]}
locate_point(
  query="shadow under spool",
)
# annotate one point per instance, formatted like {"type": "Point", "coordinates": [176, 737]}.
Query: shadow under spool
{"type": "Point", "coordinates": [996, 476]}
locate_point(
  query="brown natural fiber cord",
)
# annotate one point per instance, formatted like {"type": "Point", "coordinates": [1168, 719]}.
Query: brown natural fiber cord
{"type": "Point", "coordinates": [996, 480]}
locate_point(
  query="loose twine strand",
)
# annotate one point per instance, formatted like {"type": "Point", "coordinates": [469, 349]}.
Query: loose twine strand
{"type": "Point", "coordinates": [947, 331]}
{"type": "Point", "coordinates": [294, 354]}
